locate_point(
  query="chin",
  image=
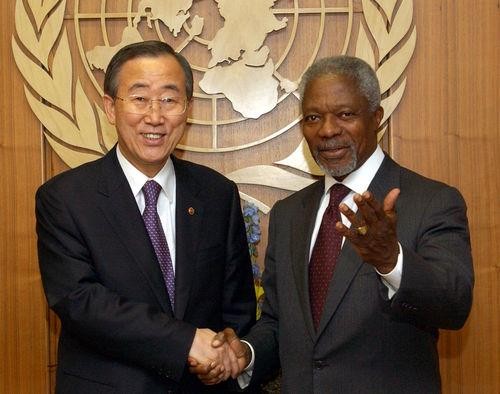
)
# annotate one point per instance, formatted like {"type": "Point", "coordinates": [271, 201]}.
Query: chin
{"type": "Point", "coordinates": [339, 170]}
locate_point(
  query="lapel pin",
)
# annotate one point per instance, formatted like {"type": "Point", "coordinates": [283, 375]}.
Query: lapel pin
{"type": "Point", "coordinates": [191, 211]}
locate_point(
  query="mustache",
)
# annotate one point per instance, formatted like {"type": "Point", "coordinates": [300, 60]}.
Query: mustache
{"type": "Point", "coordinates": [334, 144]}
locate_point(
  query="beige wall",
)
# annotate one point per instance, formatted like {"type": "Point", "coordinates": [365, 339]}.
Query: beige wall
{"type": "Point", "coordinates": [446, 127]}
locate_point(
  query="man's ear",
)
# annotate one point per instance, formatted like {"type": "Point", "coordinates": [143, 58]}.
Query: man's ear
{"type": "Point", "coordinates": [109, 108]}
{"type": "Point", "coordinates": [189, 108]}
{"type": "Point", "coordinates": [379, 115]}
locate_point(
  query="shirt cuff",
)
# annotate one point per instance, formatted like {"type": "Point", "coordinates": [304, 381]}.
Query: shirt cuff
{"type": "Point", "coordinates": [392, 280]}
{"type": "Point", "coordinates": [246, 375]}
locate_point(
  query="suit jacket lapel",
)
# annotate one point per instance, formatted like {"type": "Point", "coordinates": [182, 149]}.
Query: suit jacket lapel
{"type": "Point", "coordinates": [188, 217]}
{"type": "Point", "coordinates": [348, 265]}
{"type": "Point", "coordinates": [386, 179]}
{"type": "Point", "coordinates": [301, 241]}
{"type": "Point", "coordinates": [120, 209]}
{"type": "Point", "coordinates": [349, 262]}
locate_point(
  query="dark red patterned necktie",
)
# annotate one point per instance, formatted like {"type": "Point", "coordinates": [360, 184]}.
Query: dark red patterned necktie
{"type": "Point", "coordinates": [325, 252]}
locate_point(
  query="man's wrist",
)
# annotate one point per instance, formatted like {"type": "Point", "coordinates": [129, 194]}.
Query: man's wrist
{"type": "Point", "coordinates": [249, 355]}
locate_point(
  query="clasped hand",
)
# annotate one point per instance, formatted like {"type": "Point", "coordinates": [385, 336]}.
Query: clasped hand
{"type": "Point", "coordinates": [214, 357]}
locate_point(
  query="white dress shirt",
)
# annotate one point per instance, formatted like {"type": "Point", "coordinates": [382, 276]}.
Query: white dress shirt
{"type": "Point", "coordinates": [166, 200]}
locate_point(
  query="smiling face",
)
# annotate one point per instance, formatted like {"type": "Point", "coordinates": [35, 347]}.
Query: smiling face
{"type": "Point", "coordinates": [148, 140]}
{"type": "Point", "coordinates": [337, 124]}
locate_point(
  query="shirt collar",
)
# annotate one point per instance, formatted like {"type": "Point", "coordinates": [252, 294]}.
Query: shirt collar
{"type": "Point", "coordinates": [136, 179]}
{"type": "Point", "coordinates": [359, 180]}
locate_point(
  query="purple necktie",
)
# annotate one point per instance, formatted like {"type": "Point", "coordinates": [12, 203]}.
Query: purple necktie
{"type": "Point", "coordinates": [325, 252]}
{"type": "Point", "coordinates": [151, 191]}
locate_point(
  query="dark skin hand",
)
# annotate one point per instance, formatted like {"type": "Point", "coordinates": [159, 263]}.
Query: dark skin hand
{"type": "Point", "coordinates": [379, 246]}
{"type": "Point", "coordinates": [208, 374]}
{"type": "Point", "coordinates": [213, 373]}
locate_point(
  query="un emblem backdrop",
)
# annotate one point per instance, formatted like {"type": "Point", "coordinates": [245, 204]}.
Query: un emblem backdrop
{"type": "Point", "coordinates": [247, 55]}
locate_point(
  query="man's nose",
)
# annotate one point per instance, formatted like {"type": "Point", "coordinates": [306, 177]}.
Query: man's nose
{"type": "Point", "coordinates": [154, 115]}
{"type": "Point", "coordinates": [330, 126]}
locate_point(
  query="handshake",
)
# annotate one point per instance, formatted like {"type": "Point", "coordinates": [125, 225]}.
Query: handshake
{"type": "Point", "coordinates": [214, 357]}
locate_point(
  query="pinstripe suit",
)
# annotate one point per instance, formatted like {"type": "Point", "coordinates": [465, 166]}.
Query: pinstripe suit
{"type": "Point", "coordinates": [365, 342]}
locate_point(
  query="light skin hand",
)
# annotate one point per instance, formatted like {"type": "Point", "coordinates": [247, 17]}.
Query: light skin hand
{"type": "Point", "coordinates": [379, 246]}
{"type": "Point", "coordinates": [216, 360]}
{"type": "Point", "coordinates": [239, 356]}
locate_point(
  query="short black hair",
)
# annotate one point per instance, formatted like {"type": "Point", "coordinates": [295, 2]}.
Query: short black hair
{"type": "Point", "coordinates": [152, 48]}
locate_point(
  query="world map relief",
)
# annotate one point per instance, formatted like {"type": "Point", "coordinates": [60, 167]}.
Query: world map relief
{"type": "Point", "coordinates": [172, 13]}
{"type": "Point", "coordinates": [246, 54]}
{"type": "Point", "coordinates": [240, 66]}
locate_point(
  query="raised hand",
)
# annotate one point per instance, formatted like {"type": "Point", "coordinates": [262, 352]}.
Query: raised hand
{"type": "Point", "coordinates": [238, 357]}
{"type": "Point", "coordinates": [373, 229]}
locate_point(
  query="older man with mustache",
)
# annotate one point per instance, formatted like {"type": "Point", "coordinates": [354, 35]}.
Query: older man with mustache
{"type": "Point", "coordinates": [364, 266]}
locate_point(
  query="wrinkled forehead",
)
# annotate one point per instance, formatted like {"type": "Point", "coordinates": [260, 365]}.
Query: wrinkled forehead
{"type": "Point", "coordinates": [152, 62]}
{"type": "Point", "coordinates": [152, 72]}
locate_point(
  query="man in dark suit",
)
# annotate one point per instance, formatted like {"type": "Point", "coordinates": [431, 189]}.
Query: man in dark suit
{"type": "Point", "coordinates": [136, 301]}
{"type": "Point", "coordinates": [404, 270]}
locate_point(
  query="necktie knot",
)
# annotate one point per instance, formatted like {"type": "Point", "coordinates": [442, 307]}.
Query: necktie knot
{"type": "Point", "coordinates": [151, 190]}
{"type": "Point", "coordinates": [337, 193]}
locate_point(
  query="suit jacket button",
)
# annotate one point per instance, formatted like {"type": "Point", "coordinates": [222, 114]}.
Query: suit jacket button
{"type": "Point", "coordinates": [319, 364]}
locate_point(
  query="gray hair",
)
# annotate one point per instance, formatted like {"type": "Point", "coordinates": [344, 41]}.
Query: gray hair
{"type": "Point", "coordinates": [352, 67]}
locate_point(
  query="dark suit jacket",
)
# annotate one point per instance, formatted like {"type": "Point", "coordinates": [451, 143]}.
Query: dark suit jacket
{"type": "Point", "coordinates": [102, 278]}
{"type": "Point", "coordinates": [366, 343]}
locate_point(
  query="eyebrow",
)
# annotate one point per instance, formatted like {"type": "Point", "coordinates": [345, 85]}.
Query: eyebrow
{"type": "Point", "coordinates": [168, 86]}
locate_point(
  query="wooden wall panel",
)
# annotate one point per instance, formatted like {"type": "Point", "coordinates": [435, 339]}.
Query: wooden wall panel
{"type": "Point", "coordinates": [23, 311]}
{"type": "Point", "coordinates": [447, 127]}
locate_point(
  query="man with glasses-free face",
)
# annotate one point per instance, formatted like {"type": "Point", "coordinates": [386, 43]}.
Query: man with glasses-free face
{"type": "Point", "coordinates": [128, 327]}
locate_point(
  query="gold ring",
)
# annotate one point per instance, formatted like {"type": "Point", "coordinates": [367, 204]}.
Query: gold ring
{"type": "Point", "coordinates": [362, 230]}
